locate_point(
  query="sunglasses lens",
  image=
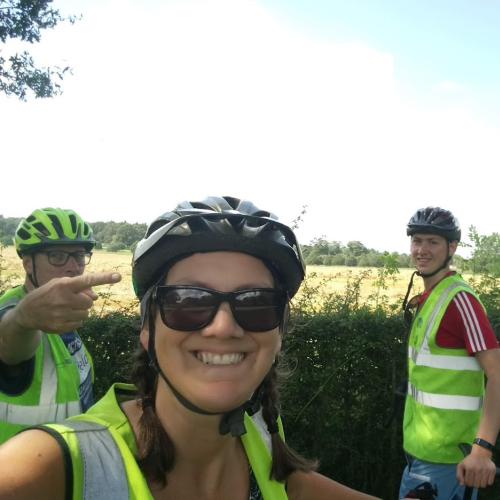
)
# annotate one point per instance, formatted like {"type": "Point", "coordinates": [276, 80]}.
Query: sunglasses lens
{"type": "Point", "coordinates": [186, 309]}
{"type": "Point", "coordinates": [259, 310]}
{"type": "Point", "coordinates": [190, 308]}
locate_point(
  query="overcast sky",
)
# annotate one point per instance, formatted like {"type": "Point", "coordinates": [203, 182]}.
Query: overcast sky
{"type": "Point", "coordinates": [361, 111]}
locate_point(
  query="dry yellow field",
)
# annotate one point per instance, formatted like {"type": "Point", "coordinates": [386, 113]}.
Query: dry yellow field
{"type": "Point", "coordinates": [333, 278]}
{"type": "Point", "coordinates": [110, 295]}
{"type": "Point", "coordinates": [336, 279]}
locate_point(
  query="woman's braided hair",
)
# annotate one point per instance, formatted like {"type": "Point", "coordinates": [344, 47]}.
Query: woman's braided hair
{"type": "Point", "coordinates": [214, 224]}
{"type": "Point", "coordinates": [156, 449]}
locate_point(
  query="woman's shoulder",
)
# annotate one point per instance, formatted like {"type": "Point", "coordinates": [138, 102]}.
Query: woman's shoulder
{"type": "Point", "coordinates": [307, 485]}
{"type": "Point", "coordinates": [32, 466]}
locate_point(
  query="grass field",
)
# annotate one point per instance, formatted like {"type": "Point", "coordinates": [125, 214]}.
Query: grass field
{"type": "Point", "coordinates": [332, 278]}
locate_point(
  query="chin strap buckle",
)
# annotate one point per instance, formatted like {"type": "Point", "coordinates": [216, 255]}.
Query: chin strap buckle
{"type": "Point", "coordinates": [233, 422]}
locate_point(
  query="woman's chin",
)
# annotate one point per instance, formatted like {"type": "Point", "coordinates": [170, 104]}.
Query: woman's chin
{"type": "Point", "coordinates": [219, 400]}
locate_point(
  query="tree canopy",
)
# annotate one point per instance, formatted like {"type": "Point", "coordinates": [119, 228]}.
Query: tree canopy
{"type": "Point", "coordinates": [25, 20]}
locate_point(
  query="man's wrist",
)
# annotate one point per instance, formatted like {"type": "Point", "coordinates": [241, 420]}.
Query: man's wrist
{"type": "Point", "coordinates": [484, 444]}
{"type": "Point", "coordinates": [21, 318]}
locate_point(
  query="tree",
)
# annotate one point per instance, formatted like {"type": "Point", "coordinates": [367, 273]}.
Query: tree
{"type": "Point", "coordinates": [25, 20]}
{"type": "Point", "coordinates": [486, 253]}
{"type": "Point", "coordinates": [7, 229]}
{"type": "Point", "coordinates": [128, 234]}
{"type": "Point", "coordinates": [356, 248]}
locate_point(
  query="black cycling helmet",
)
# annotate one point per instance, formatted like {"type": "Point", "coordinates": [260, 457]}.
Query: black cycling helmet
{"type": "Point", "coordinates": [217, 224]}
{"type": "Point", "coordinates": [214, 224]}
{"type": "Point", "coordinates": [434, 220]}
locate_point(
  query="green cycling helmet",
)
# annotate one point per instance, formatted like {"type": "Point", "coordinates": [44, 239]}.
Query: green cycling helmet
{"type": "Point", "coordinates": [52, 226]}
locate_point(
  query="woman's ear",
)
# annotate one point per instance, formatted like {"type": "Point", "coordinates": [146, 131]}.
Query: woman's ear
{"type": "Point", "coordinates": [144, 337]}
{"type": "Point", "coordinates": [278, 348]}
{"type": "Point", "coordinates": [284, 321]}
{"type": "Point", "coordinates": [452, 248]}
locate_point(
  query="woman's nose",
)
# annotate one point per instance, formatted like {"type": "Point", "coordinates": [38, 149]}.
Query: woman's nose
{"type": "Point", "coordinates": [223, 324]}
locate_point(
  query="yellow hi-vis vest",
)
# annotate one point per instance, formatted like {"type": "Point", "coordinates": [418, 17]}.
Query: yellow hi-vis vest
{"type": "Point", "coordinates": [53, 394]}
{"type": "Point", "coordinates": [103, 452]}
{"type": "Point", "coordinates": [445, 386]}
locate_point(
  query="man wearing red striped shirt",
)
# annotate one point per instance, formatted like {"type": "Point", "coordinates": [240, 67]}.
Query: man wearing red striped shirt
{"type": "Point", "coordinates": [452, 346]}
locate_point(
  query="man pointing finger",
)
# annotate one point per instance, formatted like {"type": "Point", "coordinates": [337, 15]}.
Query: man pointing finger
{"type": "Point", "coordinates": [45, 371]}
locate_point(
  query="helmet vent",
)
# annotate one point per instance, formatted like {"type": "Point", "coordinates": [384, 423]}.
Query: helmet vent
{"type": "Point", "coordinates": [203, 206]}
{"type": "Point", "coordinates": [41, 228]}
{"type": "Point", "coordinates": [72, 220]}
{"type": "Point", "coordinates": [23, 234]}
{"type": "Point", "coordinates": [233, 202]}
{"type": "Point", "coordinates": [154, 226]}
{"type": "Point", "coordinates": [262, 213]}
{"type": "Point", "coordinates": [57, 226]}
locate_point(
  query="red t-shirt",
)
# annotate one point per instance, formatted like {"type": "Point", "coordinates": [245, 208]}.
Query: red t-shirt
{"type": "Point", "coordinates": [464, 324]}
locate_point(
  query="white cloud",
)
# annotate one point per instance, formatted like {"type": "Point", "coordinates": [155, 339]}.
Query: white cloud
{"type": "Point", "coordinates": [186, 99]}
{"type": "Point", "coordinates": [448, 87]}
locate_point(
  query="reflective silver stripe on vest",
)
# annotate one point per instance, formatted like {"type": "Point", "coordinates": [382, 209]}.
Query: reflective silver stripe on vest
{"type": "Point", "coordinates": [261, 426]}
{"type": "Point", "coordinates": [445, 401]}
{"type": "Point", "coordinates": [442, 299]}
{"type": "Point", "coordinates": [104, 475]}
{"type": "Point", "coordinates": [49, 375]}
{"type": "Point", "coordinates": [444, 362]}
{"type": "Point", "coordinates": [47, 410]}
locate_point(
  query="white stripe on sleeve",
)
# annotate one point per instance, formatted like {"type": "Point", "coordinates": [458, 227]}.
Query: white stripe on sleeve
{"type": "Point", "coordinates": [471, 323]}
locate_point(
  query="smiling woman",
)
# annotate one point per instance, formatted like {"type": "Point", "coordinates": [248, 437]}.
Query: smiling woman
{"type": "Point", "coordinates": [202, 421]}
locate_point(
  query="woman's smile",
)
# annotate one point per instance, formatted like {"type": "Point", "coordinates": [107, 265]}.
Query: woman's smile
{"type": "Point", "coordinates": [211, 358]}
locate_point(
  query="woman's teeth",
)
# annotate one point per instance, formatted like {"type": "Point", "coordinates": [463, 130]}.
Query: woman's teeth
{"type": "Point", "coordinates": [219, 359]}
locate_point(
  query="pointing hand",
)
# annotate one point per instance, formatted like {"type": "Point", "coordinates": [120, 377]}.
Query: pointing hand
{"type": "Point", "coordinates": [62, 304]}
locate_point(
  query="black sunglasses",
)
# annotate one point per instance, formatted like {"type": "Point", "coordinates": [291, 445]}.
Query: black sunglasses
{"type": "Point", "coordinates": [188, 308]}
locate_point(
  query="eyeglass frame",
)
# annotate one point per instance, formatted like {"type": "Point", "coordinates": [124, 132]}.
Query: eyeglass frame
{"type": "Point", "coordinates": [87, 256]}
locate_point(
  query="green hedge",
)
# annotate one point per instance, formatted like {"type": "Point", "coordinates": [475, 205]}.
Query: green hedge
{"type": "Point", "coordinates": [345, 360]}
{"type": "Point", "coordinates": [339, 402]}
{"type": "Point", "coordinates": [111, 339]}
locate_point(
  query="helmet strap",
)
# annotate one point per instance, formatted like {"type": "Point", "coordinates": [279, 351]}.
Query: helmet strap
{"type": "Point", "coordinates": [410, 285]}
{"type": "Point", "coordinates": [232, 420]}
{"type": "Point", "coordinates": [32, 276]}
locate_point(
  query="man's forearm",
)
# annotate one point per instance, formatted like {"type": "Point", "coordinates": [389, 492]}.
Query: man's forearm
{"type": "Point", "coordinates": [17, 343]}
{"type": "Point", "coordinates": [490, 421]}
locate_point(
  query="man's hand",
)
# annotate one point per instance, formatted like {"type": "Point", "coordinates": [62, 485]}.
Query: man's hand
{"type": "Point", "coordinates": [62, 304]}
{"type": "Point", "coordinates": [477, 469]}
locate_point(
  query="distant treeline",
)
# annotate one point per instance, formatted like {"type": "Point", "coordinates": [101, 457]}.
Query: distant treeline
{"type": "Point", "coordinates": [115, 236]}
{"type": "Point", "coordinates": [485, 254]}
{"type": "Point", "coordinates": [334, 253]}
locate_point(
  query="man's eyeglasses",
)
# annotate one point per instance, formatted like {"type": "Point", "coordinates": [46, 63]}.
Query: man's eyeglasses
{"type": "Point", "coordinates": [188, 308]}
{"type": "Point", "coordinates": [60, 257]}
